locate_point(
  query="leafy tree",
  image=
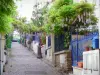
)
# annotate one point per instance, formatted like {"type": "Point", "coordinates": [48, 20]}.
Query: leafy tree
{"type": "Point", "coordinates": [20, 24]}
{"type": "Point", "coordinates": [23, 26]}
{"type": "Point", "coordinates": [39, 14]}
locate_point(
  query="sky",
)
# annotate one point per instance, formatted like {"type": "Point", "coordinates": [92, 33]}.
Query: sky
{"type": "Point", "coordinates": [25, 7]}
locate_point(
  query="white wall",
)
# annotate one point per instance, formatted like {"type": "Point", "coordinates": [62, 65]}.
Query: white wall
{"type": "Point", "coordinates": [35, 47]}
{"type": "Point", "coordinates": [62, 59]}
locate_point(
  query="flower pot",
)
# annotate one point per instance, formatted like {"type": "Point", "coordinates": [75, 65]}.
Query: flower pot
{"type": "Point", "coordinates": [80, 64]}
{"type": "Point", "coordinates": [87, 49]}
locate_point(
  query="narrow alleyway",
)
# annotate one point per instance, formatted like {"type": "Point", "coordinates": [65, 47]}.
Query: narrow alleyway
{"type": "Point", "coordinates": [23, 62]}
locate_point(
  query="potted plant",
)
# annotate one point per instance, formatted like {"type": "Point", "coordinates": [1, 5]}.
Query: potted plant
{"type": "Point", "coordinates": [87, 48]}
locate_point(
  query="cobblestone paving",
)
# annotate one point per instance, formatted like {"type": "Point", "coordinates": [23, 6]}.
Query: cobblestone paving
{"type": "Point", "coordinates": [23, 62]}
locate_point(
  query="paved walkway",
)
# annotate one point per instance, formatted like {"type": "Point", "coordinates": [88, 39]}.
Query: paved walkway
{"type": "Point", "coordinates": [23, 62]}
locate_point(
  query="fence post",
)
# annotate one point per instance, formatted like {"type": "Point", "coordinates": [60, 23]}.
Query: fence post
{"type": "Point", "coordinates": [53, 48]}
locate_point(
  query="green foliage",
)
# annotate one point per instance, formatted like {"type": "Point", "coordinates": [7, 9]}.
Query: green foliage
{"type": "Point", "coordinates": [5, 24]}
{"type": "Point", "coordinates": [57, 29]}
{"type": "Point", "coordinates": [39, 17]}
{"type": "Point", "coordinates": [18, 24]}
{"type": "Point", "coordinates": [64, 13]}
{"type": "Point", "coordinates": [43, 39]}
{"type": "Point", "coordinates": [47, 28]}
{"type": "Point", "coordinates": [67, 39]}
{"type": "Point", "coordinates": [8, 41]}
{"type": "Point", "coordinates": [94, 20]}
{"type": "Point", "coordinates": [32, 27]}
{"type": "Point", "coordinates": [23, 27]}
{"type": "Point", "coordinates": [7, 7]}
{"type": "Point", "coordinates": [7, 10]}
{"type": "Point", "coordinates": [58, 3]}
{"type": "Point", "coordinates": [84, 7]}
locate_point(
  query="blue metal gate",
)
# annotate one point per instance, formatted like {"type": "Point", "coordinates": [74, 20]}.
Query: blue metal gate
{"type": "Point", "coordinates": [78, 46]}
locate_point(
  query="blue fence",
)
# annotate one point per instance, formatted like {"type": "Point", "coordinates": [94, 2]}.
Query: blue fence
{"type": "Point", "coordinates": [35, 37]}
{"type": "Point", "coordinates": [78, 46]}
{"type": "Point", "coordinates": [27, 36]}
